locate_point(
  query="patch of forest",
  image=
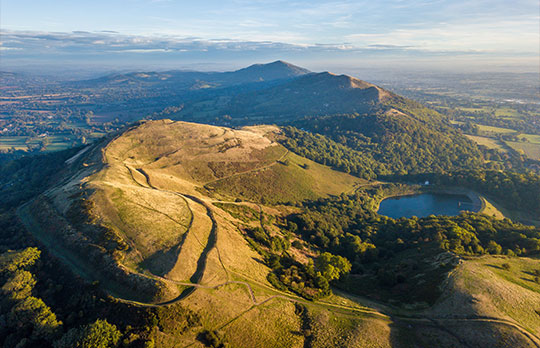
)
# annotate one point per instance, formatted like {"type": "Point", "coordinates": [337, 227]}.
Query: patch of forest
{"type": "Point", "coordinates": [405, 259]}
{"type": "Point", "coordinates": [382, 144]}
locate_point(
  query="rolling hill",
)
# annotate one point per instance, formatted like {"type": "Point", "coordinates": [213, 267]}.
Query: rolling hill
{"type": "Point", "coordinates": [139, 198]}
{"type": "Point", "coordinates": [168, 214]}
{"type": "Point", "coordinates": [308, 94]}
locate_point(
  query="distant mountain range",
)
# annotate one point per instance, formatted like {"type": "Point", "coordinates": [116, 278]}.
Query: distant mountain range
{"type": "Point", "coordinates": [278, 70]}
{"type": "Point", "coordinates": [275, 93]}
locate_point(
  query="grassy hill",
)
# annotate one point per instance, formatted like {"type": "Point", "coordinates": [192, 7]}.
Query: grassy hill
{"type": "Point", "coordinates": [172, 215]}
{"type": "Point", "coordinates": [139, 196]}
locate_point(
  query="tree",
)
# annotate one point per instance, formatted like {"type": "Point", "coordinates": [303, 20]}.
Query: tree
{"type": "Point", "coordinates": [99, 334]}
{"type": "Point", "coordinates": [493, 248]}
{"type": "Point", "coordinates": [332, 266]}
{"type": "Point", "coordinates": [15, 260]}
{"type": "Point", "coordinates": [34, 312]}
{"type": "Point", "coordinates": [19, 286]}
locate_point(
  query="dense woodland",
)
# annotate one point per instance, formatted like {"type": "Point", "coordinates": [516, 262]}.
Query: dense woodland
{"type": "Point", "coordinates": [27, 176]}
{"type": "Point", "coordinates": [382, 144]}
{"type": "Point", "coordinates": [44, 305]}
{"type": "Point", "coordinates": [345, 225]}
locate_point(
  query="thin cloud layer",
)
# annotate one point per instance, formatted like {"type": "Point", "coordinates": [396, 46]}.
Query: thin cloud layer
{"type": "Point", "coordinates": [115, 50]}
{"type": "Point", "coordinates": [104, 42]}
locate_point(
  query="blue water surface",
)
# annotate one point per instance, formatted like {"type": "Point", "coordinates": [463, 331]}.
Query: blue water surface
{"type": "Point", "coordinates": [425, 204]}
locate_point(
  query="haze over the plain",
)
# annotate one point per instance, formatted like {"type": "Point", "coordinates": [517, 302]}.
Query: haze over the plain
{"type": "Point", "coordinates": [341, 36]}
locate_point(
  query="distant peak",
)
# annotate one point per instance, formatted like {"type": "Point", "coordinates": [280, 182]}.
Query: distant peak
{"type": "Point", "coordinates": [282, 62]}
{"type": "Point", "coordinates": [278, 64]}
{"type": "Point", "coordinates": [278, 69]}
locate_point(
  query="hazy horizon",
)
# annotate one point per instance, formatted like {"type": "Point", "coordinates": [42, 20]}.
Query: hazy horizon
{"type": "Point", "coordinates": [341, 36]}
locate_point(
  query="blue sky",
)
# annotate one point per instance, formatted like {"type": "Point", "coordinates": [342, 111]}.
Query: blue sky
{"type": "Point", "coordinates": [229, 34]}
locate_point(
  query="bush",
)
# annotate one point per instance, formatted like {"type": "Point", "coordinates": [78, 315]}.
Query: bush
{"type": "Point", "coordinates": [212, 338]}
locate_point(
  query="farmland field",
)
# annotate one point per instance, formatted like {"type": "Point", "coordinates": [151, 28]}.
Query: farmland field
{"type": "Point", "coordinates": [498, 130]}
{"type": "Point", "coordinates": [531, 150]}
{"type": "Point", "coordinates": [51, 143]}
{"type": "Point", "coordinates": [487, 142]}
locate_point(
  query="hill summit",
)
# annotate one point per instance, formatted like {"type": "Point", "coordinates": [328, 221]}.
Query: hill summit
{"type": "Point", "coordinates": [278, 70]}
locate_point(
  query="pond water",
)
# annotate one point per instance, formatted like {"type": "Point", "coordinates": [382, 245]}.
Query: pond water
{"type": "Point", "coordinates": [425, 204]}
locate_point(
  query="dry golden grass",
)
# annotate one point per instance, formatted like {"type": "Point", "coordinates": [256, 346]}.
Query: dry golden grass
{"type": "Point", "coordinates": [481, 287]}
{"type": "Point", "coordinates": [488, 208]}
{"type": "Point", "coordinates": [273, 324]}
{"type": "Point", "coordinates": [330, 329]}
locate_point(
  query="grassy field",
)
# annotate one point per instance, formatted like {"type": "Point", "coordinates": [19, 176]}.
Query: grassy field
{"type": "Point", "coordinates": [530, 150]}
{"type": "Point", "coordinates": [530, 147]}
{"type": "Point", "coordinates": [485, 109]}
{"type": "Point", "coordinates": [293, 178]}
{"type": "Point", "coordinates": [507, 112]}
{"type": "Point", "coordinates": [52, 143]}
{"type": "Point", "coordinates": [532, 138]}
{"type": "Point", "coordinates": [490, 143]}
{"type": "Point", "coordinates": [489, 209]}
{"type": "Point", "coordinates": [496, 130]}
{"type": "Point", "coordinates": [16, 142]}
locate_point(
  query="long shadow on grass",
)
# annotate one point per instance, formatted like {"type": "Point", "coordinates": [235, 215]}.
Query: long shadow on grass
{"type": "Point", "coordinates": [201, 263]}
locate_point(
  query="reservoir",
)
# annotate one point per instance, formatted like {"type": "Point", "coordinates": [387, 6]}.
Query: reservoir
{"type": "Point", "coordinates": [425, 204]}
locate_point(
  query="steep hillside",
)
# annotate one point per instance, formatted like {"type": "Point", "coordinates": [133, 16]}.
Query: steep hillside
{"type": "Point", "coordinates": [308, 94]}
{"type": "Point", "coordinates": [491, 286]}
